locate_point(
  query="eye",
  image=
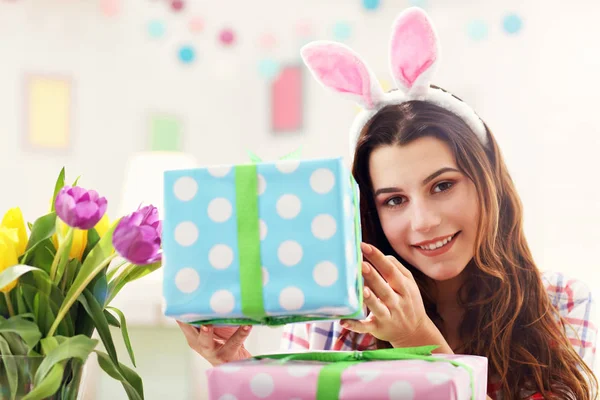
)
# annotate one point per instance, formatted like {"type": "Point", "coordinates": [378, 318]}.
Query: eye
{"type": "Point", "coordinates": [442, 186]}
{"type": "Point", "coordinates": [395, 201]}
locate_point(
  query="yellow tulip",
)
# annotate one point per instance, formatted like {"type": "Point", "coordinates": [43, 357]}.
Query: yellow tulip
{"type": "Point", "coordinates": [102, 225]}
{"type": "Point", "coordinates": [8, 253]}
{"type": "Point", "coordinates": [80, 236]}
{"type": "Point", "coordinates": [13, 219]}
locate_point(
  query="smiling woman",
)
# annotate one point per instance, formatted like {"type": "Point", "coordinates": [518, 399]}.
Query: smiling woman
{"type": "Point", "coordinates": [446, 259]}
{"type": "Point", "coordinates": [442, 206]}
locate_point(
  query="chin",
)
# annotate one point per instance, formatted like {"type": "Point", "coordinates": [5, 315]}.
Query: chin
{"type": "Point", "coordinates": [444, 276]}
{"type": "Point", "coordinates": [442, 272]}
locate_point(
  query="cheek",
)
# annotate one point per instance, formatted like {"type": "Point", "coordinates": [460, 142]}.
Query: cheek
{"type": "Point", "coordinates": [394, 227]}
{"type": "Point", "coordinates": [472, 216]}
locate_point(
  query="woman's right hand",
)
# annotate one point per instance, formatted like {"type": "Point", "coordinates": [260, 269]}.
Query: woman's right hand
{"type": "Point", "coordinates": [217, 345]}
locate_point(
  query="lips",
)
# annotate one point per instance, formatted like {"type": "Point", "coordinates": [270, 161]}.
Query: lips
{"type": "Point", "coordinates": [440, 245]}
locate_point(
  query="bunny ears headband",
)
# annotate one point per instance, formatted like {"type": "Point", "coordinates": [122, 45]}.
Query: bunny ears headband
{"type": "Point", "coordinates": [414, 55]}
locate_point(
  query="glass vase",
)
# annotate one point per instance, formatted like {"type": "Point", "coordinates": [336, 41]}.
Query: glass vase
{"type": "Point", "coordinates": [17, 374]}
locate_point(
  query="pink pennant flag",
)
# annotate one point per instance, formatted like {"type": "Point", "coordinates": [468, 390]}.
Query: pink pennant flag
{"type": "Point", "coordinates": [110, 8]}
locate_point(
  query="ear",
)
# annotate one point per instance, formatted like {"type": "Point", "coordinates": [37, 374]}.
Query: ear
{"type": "Point", "coordinates": [340, 69]}
{"type": "Point", "coordinates": [413, 52]}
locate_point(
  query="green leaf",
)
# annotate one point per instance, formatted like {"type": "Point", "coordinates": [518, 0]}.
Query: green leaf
{"type": "Point", "coordinates": [49, 385]}
{"type": "Point", "coordinates": [71, 389]}
{"type": "Point", "coordinates": [76, 181]}
{"type": "Point", "coordinates": [111, 319]}
{"type": "Point", "coordinates": [10, 365]}
{"type": "Point", "coordinates": [84, 324]}
{"type": "Point", "coordinates": [40, 314]}
{"type": "Point", "coordinates": [15, 344]}
{"type": "Point", "coordinates": [114, 269]}
{"type": "Point", "coordinates": [62, 254]}
{"type": "Point", "coordinates": [43, 228]}
{"type": "Point", "coordinates": [129, 274]}
{"type": "Point", "coordinates": [14, 272]}
{"type": "Point", "coordinates": [21, 306]}
{"type": "Point", "coordinates": [75, 347]}
{"type": "Point", "coordinates": [131, 382]}
{"type": "Point", "coordinates": [27, 293]}
{"type": "Point", "coordinates": [70, 272]}
{"type": "Point", "coordinates": [27, 330]}
{"type": "Point", "coordinates": [92, 239]}
{"type": "Point", "coordinates": [50, 343]}
{"type": "Point", "coordinates": [43, 256]}
{"type": "Point", "coordinates": [47, 310]}
{"type": "Point", "coordinates": [94, 310]}
{"type": "Point", "coordinates": [99, 254]}
{"type": "Point", "coordinates": [60, 183]}
{"type": "Point", "coordinates": [125, 333]}
{"type": "Point", "coordinates": [100, 288]}
{"type": "Point", "coordinates": [50, 299]}
{"type": "Point", "coordinates": [3, 306]}
{"type": "Point", "coordinates": [96, 261]}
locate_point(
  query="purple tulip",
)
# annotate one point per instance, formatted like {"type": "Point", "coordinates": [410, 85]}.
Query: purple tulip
{"type": "Point", "coordinates": [80, 208]}
{"type": "Point", "coordinates": [137, 236]}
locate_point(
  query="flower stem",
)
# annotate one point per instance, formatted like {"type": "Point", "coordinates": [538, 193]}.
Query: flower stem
{"type": "Point", "coordinates": [116, 282]}
{"type": "Point", "coordinates": [64, 309]}
{"type": "Point", "coordinates": [11, 310]}
{"type": "Point", "coordinates": [59, 251]}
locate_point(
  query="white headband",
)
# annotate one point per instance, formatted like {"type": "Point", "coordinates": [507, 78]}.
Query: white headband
{"type": "Point", "coordinates": [414, 55]}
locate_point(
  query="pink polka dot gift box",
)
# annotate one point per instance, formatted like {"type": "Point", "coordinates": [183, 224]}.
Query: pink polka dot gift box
{"type": "Point", "coordinates": [394, 374]}
{"type": "Point", "coordinates": [262, 243]}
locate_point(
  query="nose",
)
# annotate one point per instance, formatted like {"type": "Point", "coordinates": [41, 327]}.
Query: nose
{"type": "Point", "coordinates": [424, 217]}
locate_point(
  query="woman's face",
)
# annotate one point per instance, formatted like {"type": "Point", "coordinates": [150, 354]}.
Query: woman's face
{"type": "Point", "coordinates": [428, 209]}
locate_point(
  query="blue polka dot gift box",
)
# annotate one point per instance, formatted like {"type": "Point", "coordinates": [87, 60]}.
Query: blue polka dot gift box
{"type": "Point", "coordinates": [263, 243]}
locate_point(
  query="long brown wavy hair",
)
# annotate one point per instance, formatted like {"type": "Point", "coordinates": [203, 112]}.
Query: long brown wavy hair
{"type": "Point", "coordinates": [508, 317]}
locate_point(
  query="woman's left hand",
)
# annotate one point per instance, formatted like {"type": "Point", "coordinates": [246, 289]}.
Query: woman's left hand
{"type": "Point", "coordinates": [397, 314]}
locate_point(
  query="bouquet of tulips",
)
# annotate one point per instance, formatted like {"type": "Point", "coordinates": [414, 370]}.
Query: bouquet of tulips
{"type": "Point", "coordinates": [57, 279]}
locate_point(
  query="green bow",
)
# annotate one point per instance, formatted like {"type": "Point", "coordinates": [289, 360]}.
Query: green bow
{"type": "Point", "coordinates": [330, 377]}
{"type": "Point", "coordinates": [294, 155]}
{"type": "Point", "coordinates": [248, 242]}
{"type": "Point", "coordinates": [246, 182]}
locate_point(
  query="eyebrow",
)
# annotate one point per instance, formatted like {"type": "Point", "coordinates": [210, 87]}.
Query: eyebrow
{"type": "Point", "coordinates": [425, 181]}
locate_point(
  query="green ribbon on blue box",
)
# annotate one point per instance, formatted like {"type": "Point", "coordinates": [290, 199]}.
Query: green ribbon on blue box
{"type": "Point", "coordinates": [330, 376]}
{"type": "Point", "coordinates": [248, 231]}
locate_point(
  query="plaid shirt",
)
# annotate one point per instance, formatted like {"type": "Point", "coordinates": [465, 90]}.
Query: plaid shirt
{"type": "Point", "coordinates": [572, 299]}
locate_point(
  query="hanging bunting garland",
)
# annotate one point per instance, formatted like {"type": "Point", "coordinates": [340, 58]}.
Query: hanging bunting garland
{"type": "Point", "coordinates": [512, 24]}
{"type": "Point", "coordinates": [371, 5]}
{"type": "Point", "coordinates": [477, 30]}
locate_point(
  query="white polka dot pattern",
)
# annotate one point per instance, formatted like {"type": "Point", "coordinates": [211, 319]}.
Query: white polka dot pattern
{"type": "Point", "coordinates": [306, 238]}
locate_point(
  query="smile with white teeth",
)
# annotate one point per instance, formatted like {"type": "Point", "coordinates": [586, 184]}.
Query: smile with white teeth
{"type": "Point", "coordinates": [438, 244]}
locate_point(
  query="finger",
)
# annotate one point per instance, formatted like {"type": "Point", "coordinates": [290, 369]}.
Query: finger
{"type": "Point", "coordinates": [205, 343]}
{"type": "Point", "coordinates": [403, 270]}
{"type": "Point", "coordinates": [199, 340]}
{"type": "Point", "coordinates": [358, 326]}
{"type": "Point", "coordinates": [379, 286]}
{"type": "Point", "coordinates": [375, 305]}
{"type": "Point", "coordinates": [189, 332]}
{"type": "Point", "coordinates": [386, 268]}
{"type": "Point", "coordinates": [235, 342]}
{"type": "Point", "coordinates": [224, 332]}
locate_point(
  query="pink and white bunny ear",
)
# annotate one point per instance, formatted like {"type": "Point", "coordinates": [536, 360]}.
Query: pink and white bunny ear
{"type": "Point", "coordinates": [340, 69]}
{"type": "Point", "coordinates": [414, 52]}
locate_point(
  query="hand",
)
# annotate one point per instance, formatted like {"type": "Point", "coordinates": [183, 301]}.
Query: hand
{"type": "Point", "coordinates": [217, 345]}
{"type": "Point", "coordinates": [397, 314]}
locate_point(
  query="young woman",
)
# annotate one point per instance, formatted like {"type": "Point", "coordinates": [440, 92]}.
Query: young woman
{"type": "Point", "coordinates": [446, 260]}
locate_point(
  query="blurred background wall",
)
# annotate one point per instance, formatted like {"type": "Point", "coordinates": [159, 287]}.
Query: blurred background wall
{"type": "Point", "coordinates": [119, 90]}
